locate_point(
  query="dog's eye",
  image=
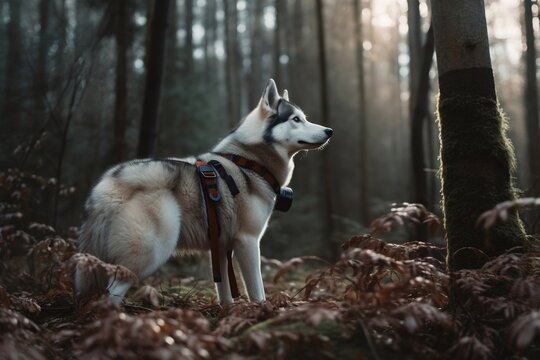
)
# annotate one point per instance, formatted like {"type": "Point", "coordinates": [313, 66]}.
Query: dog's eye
{"type": "Point", "coordinates": [296, 119]}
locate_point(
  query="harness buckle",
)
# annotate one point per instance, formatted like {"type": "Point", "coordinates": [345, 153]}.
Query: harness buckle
{"type": "Point", "coordinates": [209, 178]}
{"type": "Point", "coordinates": [207, 171]}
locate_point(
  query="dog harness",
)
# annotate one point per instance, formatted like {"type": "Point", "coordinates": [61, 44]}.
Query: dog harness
{"type": "Point", "coordinates": [284, 194]}
{"type": "Point", "coordinates": [209, 181]}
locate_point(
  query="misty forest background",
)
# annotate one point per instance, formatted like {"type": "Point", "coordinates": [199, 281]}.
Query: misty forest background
{"type": "Point", "coordinates": [72, 80]}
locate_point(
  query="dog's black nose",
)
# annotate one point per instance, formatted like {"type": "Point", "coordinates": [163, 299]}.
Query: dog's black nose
{"type": "Point", "coordinates": [328, 132]}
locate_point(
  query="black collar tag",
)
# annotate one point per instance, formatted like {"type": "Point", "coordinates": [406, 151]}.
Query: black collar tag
{"type": "Point", "coordinates": [284, 199]}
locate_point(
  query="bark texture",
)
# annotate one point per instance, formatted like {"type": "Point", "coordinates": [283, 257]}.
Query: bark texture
{"type": "Point", "coordinates": [14, 59]}
{"type": "Point", "coordinates": [255, 82]}
{"type": "Point", "coordinates": [232, 61]}
{"type": "Point", "coordinates": [121, 35]}
{"type": "Point", "coordinates": [189, 36]}
{"type": "Point", "coordinates": [323, 74]}
{"type": "Point", "coordinates": [531, 104]}
{"type": "Point", "coordinates": [477, 159]}
{"type": "Point", "coordinates": [154, 72]}
{"type": "Point", "coordinates": [419, 113]}
{"type": "Point", "coordinates": [362, 117]}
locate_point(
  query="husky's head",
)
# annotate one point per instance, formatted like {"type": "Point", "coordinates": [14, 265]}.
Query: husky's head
{"type": "Point", "coordinates": [278, 122]}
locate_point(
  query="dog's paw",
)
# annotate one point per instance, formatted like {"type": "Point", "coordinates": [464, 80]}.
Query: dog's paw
{"type": "Point", "coordinates": [148, 294]}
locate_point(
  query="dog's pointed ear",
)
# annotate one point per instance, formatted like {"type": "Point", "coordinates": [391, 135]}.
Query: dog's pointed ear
{"type": "Point", "coordinates": [270, 97]}
{"type": "Point", "coordinates": [285, 95]}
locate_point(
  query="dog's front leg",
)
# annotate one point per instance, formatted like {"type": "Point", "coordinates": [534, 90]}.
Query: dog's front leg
{"type": "Point", "coordinates": [223, 287]}
{"type": "Point", "coordinates": [247, 252]}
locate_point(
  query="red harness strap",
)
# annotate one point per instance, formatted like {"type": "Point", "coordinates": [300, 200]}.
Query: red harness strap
{"type": "Point", "coordinates": [212, 196]}
{"type": "Point", "coordinates": [284, 194]}
{"type": "Point", "coordinates": [254, 166]}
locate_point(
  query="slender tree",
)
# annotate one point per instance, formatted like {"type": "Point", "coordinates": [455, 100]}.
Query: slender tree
{"type": "Point", "coordinates": [418, 116]}
{"type": "Point", "coordinates": [362, 118]}
{"type": "Point", "coordinates": [414, 36]}
{"type": "Point", "coordinates": [173, 98]}
{"type": "Point", "coordinates": [531, 102]}
{"type": "Point", "coordinates": [41, 78]}
{"type": "Point", "coordinates": [14, 59]}
{"type": "Point", "coordinates": [121, 36]}
{"type": "Point", "coordinates": [154, 72]}
{"type": "Point", "coordinates": [476, 154]}
{"type": "Point", "coordinates": [325, 176]}
{"type": "Point", "coordinates": [280, 7]}
{"type": "Point", "coordinates": [2, 59]}
{"type": "Point", "coordinates": [232, 62]}
{"type": "Point", "coordinates": [210, 39]}
{"type": "Point", "coordinates": [417, 105]}
{"type": "Point", "coordinates": [61, 44]}
{"type": "Point", "coordinates": [255, 83]}
{"type": "Point", "coordinates": [188, 53]}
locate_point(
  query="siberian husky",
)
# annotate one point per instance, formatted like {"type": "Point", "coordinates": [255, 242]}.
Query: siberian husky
{"type": "Point", "coordinates": [141, 211]}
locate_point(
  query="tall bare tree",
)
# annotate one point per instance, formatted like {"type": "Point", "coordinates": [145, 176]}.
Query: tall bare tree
{"type": "Point", "coordinates": [210, 39]}
{"type": "Point", "coordinates": [531, 102]}
{"type": "Point", "coordinates": [476, 155]}
{"type": "Point", "coordinates": [281, 17]}
{"type": "Point", "coordinates": [414, 36]}
{"type": "Point", "coordinates": [255, 82]}
{"type": "Point", "coordinates": [121, 37]}
{"type": "Point", "coordinates": [154, 72]}
{"type": "Point", "coordinates": [418, 116]}
{"type": "Point", "coordinates": [41, 78]}
{"type": "Point", "coordinates": [189, 37]}
{"type": "Point", "coordinates": [362, 114]}
{"type": "Point", "coordinates": [325, 176]}
{"type": "Point", "coordinates": [232, 61]}
{"type": "Point", "coordinates": [61, 42]}
{"type": "Point", "coordinates": [14, 59]}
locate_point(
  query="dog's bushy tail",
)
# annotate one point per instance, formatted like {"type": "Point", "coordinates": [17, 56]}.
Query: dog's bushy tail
{"type": "Point", "coordinates": [102, 205]}
{"type": "Point", "coordinates": [147, 174]}
{"type": "Point", "coordinates": [90, 278]}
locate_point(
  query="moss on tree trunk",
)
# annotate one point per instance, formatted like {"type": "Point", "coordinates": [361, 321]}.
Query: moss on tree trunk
{"type": "Point", "coordinates": [477, 161]}
{"type": "Point", "coordinates": [477, 158]}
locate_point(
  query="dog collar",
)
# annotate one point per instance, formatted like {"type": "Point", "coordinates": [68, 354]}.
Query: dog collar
{"type": "Point", "coordinates": [284, 194]}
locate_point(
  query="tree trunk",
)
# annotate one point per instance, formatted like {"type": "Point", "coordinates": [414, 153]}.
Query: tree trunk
{"type": "Point", "coordinates": [173, 99]}
{"type": "Point", "coordinates": [476, 154]}
{"type": "Point", "coordinates": [11, 107]}
{"type": "Point", "coordinates": [284, 20]}
{"type": "Point", "coordinates": [419, 113]}
{"type": "Point", "coordinates": [62, 41]}
{"type": "Point", "coordinates": [209, 41]}
{"type": "Point", "coordinates": [297, 48]}
{"type": "Point", "coordinates": [121, 34]}
{"type": "Point", "coordinates": [362, 119]}
{"type": "Point", "coordinates": [232, 71]}
{"type": "Point", "coordinates": [189, 37]}
{"type": "Point", "coordinates": [41, 79]}
{"type": "Point", "coordinates": [325, 176]}
{"type": "Point", "coordinates": [531, 104]}
{"type": "Point", "coordinates": [255, 82]}
{"type": "Point", "coordinates": [154, 72]}
{"type": "Point", "coordinates": [280, 12]}
{"type": "Point", "coordinates": [2, 60]}
{"type": "Point", "coordinates": [415, 49]}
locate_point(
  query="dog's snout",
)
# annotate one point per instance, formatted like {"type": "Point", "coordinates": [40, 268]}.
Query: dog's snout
{"type": "Point", "coordinates": [328, 132]}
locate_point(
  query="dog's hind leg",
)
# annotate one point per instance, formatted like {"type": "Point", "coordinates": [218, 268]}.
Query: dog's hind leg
{"type": "Point", "coordinates": [223, 287]}
{"type": "Point", "coordinates": [247, 252]}
{"type": "Point", "coordinates": [143, 236]}
{"type": "Point", "coordinates": [117, 290]}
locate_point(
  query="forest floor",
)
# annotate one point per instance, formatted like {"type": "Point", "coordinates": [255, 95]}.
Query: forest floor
{"type": "Point", "coordinates": [378, 301]}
